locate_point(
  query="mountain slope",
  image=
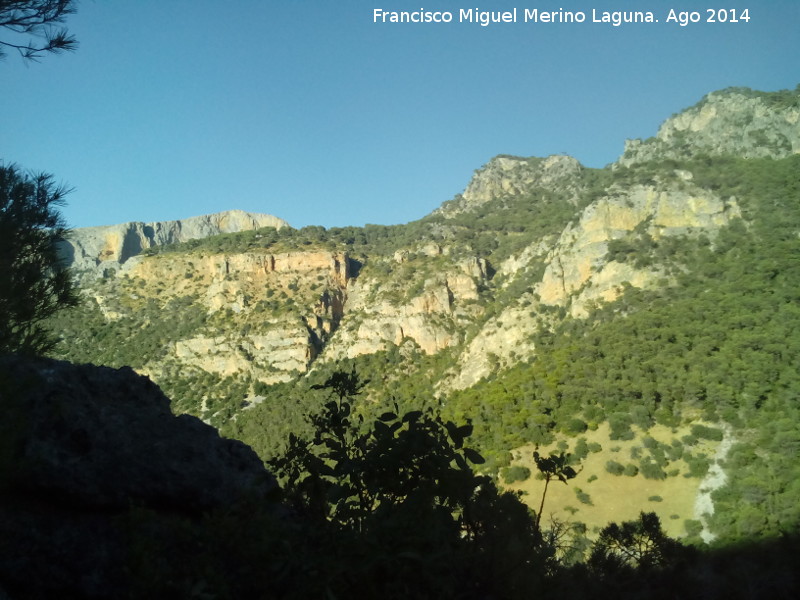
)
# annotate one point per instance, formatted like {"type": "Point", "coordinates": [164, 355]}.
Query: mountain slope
{"type": "Point", "coordinates": [544, 300]}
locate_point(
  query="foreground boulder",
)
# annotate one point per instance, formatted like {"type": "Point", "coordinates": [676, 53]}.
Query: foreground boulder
{"type": "Point", "coordinates": [105, 438]}
{"type": "Point", "coordinates": [89, 458]}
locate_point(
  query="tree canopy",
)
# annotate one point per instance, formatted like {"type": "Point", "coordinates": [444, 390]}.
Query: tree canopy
{"type": "Point", "coordinates": [33, 281]}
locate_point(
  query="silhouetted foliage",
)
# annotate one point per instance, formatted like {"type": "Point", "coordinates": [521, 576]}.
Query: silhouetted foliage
{"type": "Point", "coordinates": [33, 282]}
{"type": "Point", "coordinates": [31, 24]}
{"type": "Point", "coordinates": [555, 466]}
{"type": "Point", "coordinates": [398, 499]}
{"type": "Point", "coordinates": [637, 544]}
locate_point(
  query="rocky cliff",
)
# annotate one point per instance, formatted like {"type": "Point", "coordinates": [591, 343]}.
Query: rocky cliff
{"type": "Point", "coordinates": [508, 176]}
{"type": "Point", "coordinates": [94, 249]}
{"type": "Point", "coordinates": [578, 271]}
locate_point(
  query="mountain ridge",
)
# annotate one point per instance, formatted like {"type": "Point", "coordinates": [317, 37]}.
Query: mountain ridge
{"type": "Point", "coordinates": [733, 121]}
{"type": "Point", "coordinates": [110, 246]}
{"type": "Point", "coordinates": [489, 307]}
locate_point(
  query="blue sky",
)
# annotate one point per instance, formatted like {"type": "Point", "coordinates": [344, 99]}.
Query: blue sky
{"type": "Point", "coordinates": [308, 110]}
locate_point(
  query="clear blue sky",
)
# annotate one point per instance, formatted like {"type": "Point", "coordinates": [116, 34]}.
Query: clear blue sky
{"type": "Point", "coordinates": [308, 110]}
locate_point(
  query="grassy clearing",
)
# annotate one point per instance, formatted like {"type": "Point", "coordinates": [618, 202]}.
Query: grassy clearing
{"type": "Point", "coordinates": [616, 497]}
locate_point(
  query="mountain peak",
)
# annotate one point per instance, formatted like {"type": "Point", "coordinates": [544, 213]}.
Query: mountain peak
{"type": "Point", "coordinates": [735, 121]}
{"type": "Point", "coordinates": [506, 175]}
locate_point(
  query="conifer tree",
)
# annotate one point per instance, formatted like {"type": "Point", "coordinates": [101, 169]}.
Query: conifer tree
{"type": "Point", "coordinates": [34, 283]}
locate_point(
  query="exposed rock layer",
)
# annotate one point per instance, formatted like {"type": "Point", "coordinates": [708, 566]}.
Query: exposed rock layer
{"type": "Point", "coordinates": [109, 246]}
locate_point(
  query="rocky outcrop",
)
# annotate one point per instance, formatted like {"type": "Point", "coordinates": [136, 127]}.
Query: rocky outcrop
{"type": "Point", "coordinates": [737, 121]}
{"type": "Point", "coordinates": [578, 259]}
{"type": "Point", "coordinates": [88, 456]}
{"type": "Point", "coordinates": [110, 246]}
{"type": "Point", "coordinates": [432, 318]}
{"type": "Point", "coordinates": [288, 303]}
{"type": "Point", "coordinates": [502, 339]}
{"type": "Point", "coordinates": [244, 269]}
{"type": "Point", "coordinates": [512, 176]}
{"type": "Point", "coordinates": [578, 271]}
{"type": "Point", "coordinates": [278, 355]}
{"type": "Point", "coordinates": [374, 326]}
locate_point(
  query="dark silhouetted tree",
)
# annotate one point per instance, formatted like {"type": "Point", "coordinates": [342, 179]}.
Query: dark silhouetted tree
{"type": "Point", "coordinates": [639, 544]}
{"type": "Point", "coordinates": [33, 281]}
{"type": "Point", "coordinates": [401, 509]}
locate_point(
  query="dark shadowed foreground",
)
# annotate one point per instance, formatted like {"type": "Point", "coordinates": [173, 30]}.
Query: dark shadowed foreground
{"type": "Point", "coordinates": [107, 494]}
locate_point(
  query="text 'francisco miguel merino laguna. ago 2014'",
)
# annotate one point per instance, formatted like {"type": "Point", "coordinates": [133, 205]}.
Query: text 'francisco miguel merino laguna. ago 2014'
{"type": "Point", "coordinates": [615, 18]}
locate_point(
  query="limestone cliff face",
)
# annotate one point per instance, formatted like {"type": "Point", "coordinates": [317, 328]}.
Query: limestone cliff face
{"type": "Point", "coordinates": [432, 317]}
{"type": "Point", "coordinates": [110, 246]}
{"type": "Point", "coordinates": [577, 263]}
{"type": "Point", "coordinates": [579, 272]}
{"type": "Point", "coordinates": [735, 121]}
{"type": "Point", "coordinates": [251, 267]}
{"type": "Point", "coordinates": [267, 314]}
{"type": "Point", "coordinates": [283, 350]}
{"type": "Point", "coordinates": [502, 340]}
{"type": "Point", "coordinates": [270, 315]}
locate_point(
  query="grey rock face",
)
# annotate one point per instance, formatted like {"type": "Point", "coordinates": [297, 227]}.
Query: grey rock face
{"type": "Point", "coordinates": [109, 246]}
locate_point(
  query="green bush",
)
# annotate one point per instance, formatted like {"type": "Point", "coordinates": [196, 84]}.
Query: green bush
{"type": "Point", "coordinates": [631, 470]}
{"type": "Point", "coordinates": [693, 527]}
{"type": "Point", "coordinates": [707, 433]}
{"type": "Point", "coordinates": [651, 470]}
{"type": "Point", "coordinates": [515, 473]}
{"type": "Point", "coordinates": [575, 426]}
{"type": "Point", "coordinates": [583, 497]}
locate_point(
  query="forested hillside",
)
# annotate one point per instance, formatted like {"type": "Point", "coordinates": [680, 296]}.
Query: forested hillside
{"type": "Point", "coordinates": [546, 300]}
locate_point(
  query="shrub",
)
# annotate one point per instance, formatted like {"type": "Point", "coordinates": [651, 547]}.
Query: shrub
{"type": "Point", "coordinates": [698, 466]}
{"type": "Point", "coordinates": [631, 470]}
{"type": "Point", "coordinates": [693, 527]}
{"type": "Point", "coordinates": [620, 427]}
{"type": "Point", "coordinates": [707, 433]}
{"type": "Point", "coordinates": [575, 426]}
{"type": "Point", "coordinates": [651, 470]}
{"type": "Point", "coordinates": [515, 473]}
